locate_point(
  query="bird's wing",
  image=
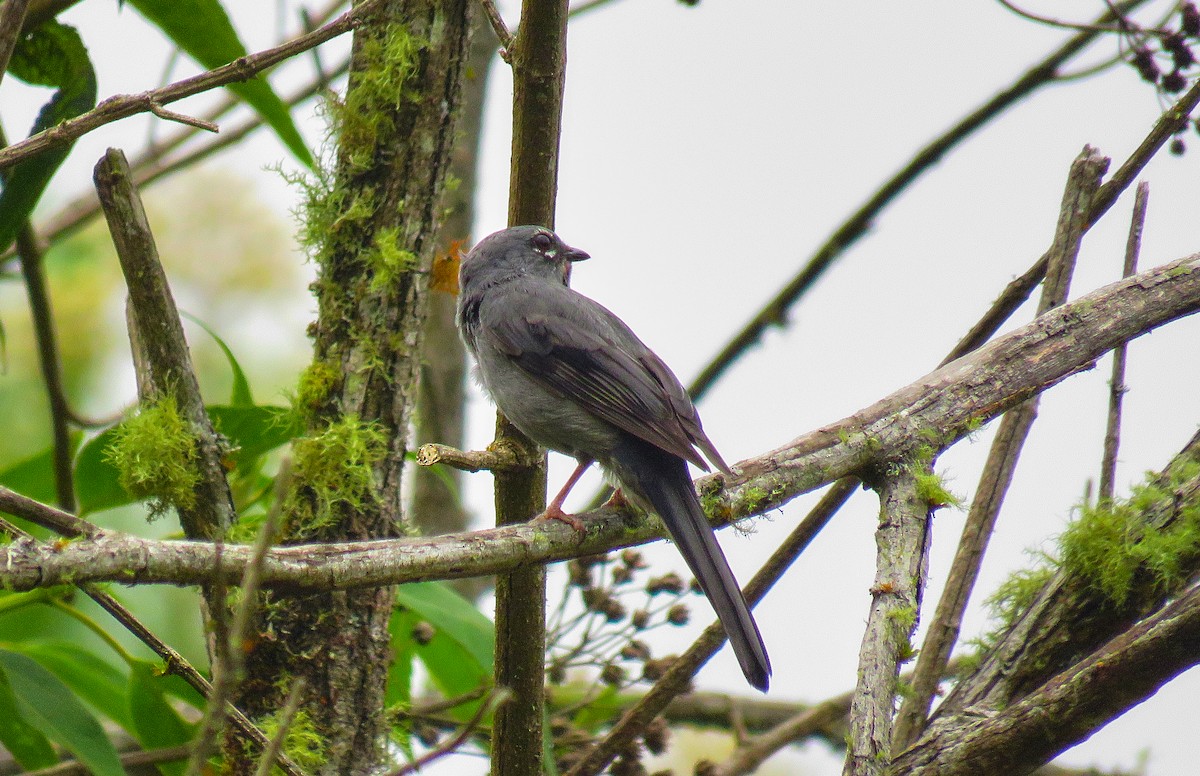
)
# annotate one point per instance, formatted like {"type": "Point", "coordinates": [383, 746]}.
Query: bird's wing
{"type": "Point", "coordinates": [581, 351]}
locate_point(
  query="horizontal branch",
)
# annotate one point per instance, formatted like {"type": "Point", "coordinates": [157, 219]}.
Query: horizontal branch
{"type": "Point", "coordinates": [934, 411]}
{"type": "Point", "coordinates": [124, 105]}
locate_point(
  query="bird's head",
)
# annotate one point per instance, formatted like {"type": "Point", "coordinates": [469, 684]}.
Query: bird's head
{"type": "Point", "coordinates": [518, 251]}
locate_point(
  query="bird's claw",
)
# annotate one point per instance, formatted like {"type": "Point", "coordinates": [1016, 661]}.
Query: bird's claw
{"type": "Point", "coordinates": [555, 513]}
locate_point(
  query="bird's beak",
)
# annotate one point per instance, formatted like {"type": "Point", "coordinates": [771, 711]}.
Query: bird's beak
{"type": "Point", "coordinates": [574, 254]}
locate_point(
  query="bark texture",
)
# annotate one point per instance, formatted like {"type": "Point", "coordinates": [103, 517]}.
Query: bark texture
{"type": "Point", "coordinates": [373, 226]}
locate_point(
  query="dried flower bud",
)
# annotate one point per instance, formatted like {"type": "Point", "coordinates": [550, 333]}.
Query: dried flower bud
{"type": "Point", "coordinates": [705, 768]}
{"type": "Point", "coordinates": [613, 610]}
{"type": "Point", "coordinates": [612, 674]}
{"type": "Point", "coordinates": [667, 583]}
{"type": "Point", "coordinates": [623, 766]}
{"type": "Point", "coordinates": [1181, 53]}
{"type": "Point", "coordinates": [657, 735]}
{"type": "Point", "coordinates": [635, 650]}
{"type": "Point", "coordinates": [1177, 147]}
{"type": "Point", "coordinates": [1173, 82]}
{"type": "Point", "coordinates": [679, 614]}
{"type": "Point", "coordinates": [596, 599]}
{"type": "Point", "coordinates": [578, 574]}
{"type": "Point", "coordinates": [694, 586]}
{"type": "Point", "coordinates": [1189, 19]}
{"type": "Point", "coordinates": [1143, 62]}
{"type": "Point", "coordinates": [556, 672]}
{"type": "Point", "coordinates": [423, 633]}
{"type": "Point", "coordinates": [641, 617]}
{"type": "Point", "coordinates": [427, 734]}
{"type": "Point", "coordinates": [633, 559]}
{"type": "Point", "coordinates": [621, 575]}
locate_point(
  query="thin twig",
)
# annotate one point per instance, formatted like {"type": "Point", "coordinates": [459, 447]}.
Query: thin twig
{"type": "Point", "coordinates": [12, 16]}
{"type": "Point", "coordinates": [496, 699]}
{"type": "Point", "coordinates": [229, 633]}
{"type": "Point", "coordinates": [587, 5]}
{"type": "Point", "coordinates": [1061, 24]}
{"type": "Point", "coordinates": [846, 234]}
{"type": "Point", "coordinates": [500, 28]}
{"type": "Point", "coordinates": [1117, 387]}
{"type": "Point", "coordinates": [224, 675]}
{"type": "Point", "coordinates": [182, 118]}
{"type": "Point", "coordinates": [33, 271]}
{"type": "Point", "coordinates": [1083, 184]}
{"type": "Point", "coordinates": [36, 512]}
{"type": "Point", "coordinates": [284, 724]}
{"type": "Point", "coordinates": [131, 760]}
{"type": "Point", "coordinates": [125, 105]}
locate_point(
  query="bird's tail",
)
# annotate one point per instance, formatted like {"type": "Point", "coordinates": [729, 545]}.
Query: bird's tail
{"type": "Point", "coordinates": [662, 480]}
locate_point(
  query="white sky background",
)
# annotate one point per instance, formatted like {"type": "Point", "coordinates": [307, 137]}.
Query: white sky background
{"type": "Point", "coordinates": [707, 151]}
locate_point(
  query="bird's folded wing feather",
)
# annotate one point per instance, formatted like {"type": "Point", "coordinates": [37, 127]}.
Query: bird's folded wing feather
{"type": "Point", "coordinates": [596, 361]}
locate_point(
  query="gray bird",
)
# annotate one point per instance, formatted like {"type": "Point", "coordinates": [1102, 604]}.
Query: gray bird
{"type": "Point", "coordinates": [573, 378]}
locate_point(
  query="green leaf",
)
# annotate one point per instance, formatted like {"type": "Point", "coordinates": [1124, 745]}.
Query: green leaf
{"type": "Point", "coordinates": [89, 676]}
{"type": "Point", "coordinates": [97, 481]}
{"type": "Point", "coordinates": [28, 747]}
{"type": "Point", "coordinates": [49, 705]}
{"type": "Point", "coordinates": [460, 653]}
{"type": "Point", "coordinates": [52, 55]}
{"type": "Point", "coordinates": [451, 614]}
{"type": "Point", "coordinates": [203, 30]}
{"type": "Point", "coordinates": [177, 687]}
{"type": "Point", "coordinates": [34, 476]}
{"type": "Point", "coordinates": [157, 724]}
{"type": "Point", "coordinates": [599, 711]}
{"type": "Point", "coordinates": [240, 395]}
{"type": "Point", "coordinates": [404, 653]}
{"type": "Point", "coordinates": [255, 430]}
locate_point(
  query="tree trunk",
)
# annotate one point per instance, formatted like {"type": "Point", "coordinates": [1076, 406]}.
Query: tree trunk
{"type": "Point", "coordinates": [372, 227]}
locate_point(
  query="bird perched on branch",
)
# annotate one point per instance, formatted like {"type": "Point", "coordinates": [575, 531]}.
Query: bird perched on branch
{"type": "Point", "coordinates": [574, 378]}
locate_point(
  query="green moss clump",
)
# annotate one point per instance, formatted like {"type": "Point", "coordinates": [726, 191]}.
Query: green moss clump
{"type": "Point", "coordinates": [155, 455]}
{"type": "Point", "coordinates": [302, 743]}
{"type": "Point", "coordinates": [933, 491]}
{"type": "Point", "coordinates": [389, 260]}
{"type": "Point", "coordinates": [1111, 545]}
{"type": "Point", "coordinates": [385, 65]}
{"type": "Point", "coordinates": [334, 469]}
{"type": "Point", "coordinates": [318, 382]}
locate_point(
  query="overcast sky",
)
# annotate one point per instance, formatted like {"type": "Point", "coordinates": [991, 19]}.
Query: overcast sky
{"type": "Point", "coordinates": [707, 151]}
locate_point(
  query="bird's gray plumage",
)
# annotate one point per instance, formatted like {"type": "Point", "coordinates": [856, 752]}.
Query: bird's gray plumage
{"type": "Point", "coordinates": [574, 378]}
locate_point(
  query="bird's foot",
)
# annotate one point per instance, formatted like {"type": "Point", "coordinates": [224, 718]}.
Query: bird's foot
{"type": "Point", "coordinates": [616, 501]}
{"type": "Point", "coordinates": [554, 512]}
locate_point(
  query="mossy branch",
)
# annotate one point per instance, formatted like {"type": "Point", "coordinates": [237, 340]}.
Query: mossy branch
{"type": "Point", "coordinates": [198, 488]}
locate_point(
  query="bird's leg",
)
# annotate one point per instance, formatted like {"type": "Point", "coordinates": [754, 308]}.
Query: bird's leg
{"type": "Point", "coordinates": [554, 510]}
{"type": "Point", "coordinates": [616, 501]}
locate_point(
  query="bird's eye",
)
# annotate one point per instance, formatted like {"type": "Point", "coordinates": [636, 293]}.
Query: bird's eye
{"type": "Point", "coordinates": [542, 241]}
